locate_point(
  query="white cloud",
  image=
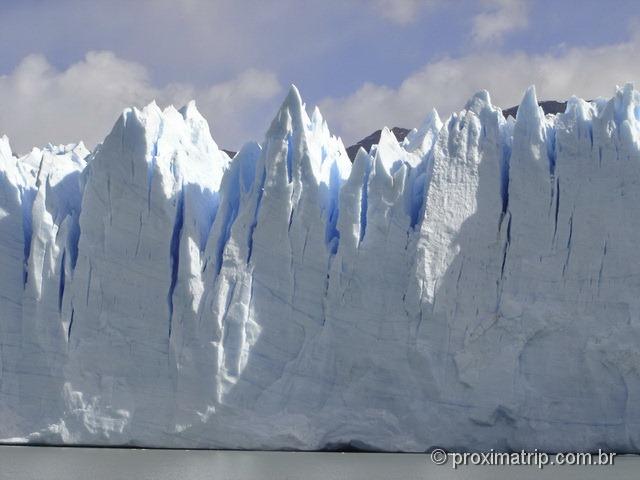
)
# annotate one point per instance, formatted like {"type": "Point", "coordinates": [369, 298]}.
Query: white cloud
{"type": "Point", "coordinates": [448, 83]}
{"type": "Point", "coordinates": [41, 104]}
{"type": "Point", "coordinates": [401, 11]}
{"type": "Point", "coordinates": [500, 18]}
{"type": "Point", "coordinates": [495, 19]}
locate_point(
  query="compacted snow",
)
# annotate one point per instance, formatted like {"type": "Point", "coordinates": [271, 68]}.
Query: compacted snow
{"type": "Point", "coordinates": [475, 287]}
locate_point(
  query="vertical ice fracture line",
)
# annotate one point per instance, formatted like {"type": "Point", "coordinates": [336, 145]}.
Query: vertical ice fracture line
{"type": "Point", "coordinates": [471, 287]}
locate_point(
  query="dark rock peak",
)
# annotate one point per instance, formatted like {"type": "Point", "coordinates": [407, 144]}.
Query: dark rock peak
{"type": "Point", "coordinates": [549, 106]}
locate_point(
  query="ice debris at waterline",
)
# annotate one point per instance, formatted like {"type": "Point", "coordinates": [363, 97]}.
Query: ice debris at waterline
{"type": "Point", "coordinates": [475, 287]}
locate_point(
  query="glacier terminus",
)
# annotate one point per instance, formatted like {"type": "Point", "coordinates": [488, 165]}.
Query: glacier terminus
{"type": "Point", "coordinates": [474, 286]}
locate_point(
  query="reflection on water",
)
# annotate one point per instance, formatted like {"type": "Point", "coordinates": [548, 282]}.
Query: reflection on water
{"type": "Point", "coordinates": [19, 463]}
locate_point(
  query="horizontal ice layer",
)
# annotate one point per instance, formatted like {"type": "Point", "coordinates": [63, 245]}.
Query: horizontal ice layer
{"type": "Point", "coordinates": [474, 287]}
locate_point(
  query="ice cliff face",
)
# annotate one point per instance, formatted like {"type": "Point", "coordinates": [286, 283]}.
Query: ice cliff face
{"type": "Point", "coordinates": [475, 287]}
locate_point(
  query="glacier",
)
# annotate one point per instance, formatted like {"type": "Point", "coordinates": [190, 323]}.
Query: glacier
{"type": "Point", "coordinates": [475, 286]}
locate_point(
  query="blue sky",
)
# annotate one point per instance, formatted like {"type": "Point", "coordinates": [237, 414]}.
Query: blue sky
{"type": "Point", "coordinates": [68, 67]}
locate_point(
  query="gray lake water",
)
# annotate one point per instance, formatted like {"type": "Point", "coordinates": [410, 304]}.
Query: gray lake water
{"type": "Point", "coordinates": [18, 463]}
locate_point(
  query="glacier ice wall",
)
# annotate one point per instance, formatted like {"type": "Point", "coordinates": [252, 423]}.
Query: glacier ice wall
{"type": "Point", "coordinates": [474, 287]}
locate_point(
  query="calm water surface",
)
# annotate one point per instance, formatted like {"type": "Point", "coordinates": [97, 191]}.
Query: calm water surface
{"type": "Point", "coordinates": [18, 463]}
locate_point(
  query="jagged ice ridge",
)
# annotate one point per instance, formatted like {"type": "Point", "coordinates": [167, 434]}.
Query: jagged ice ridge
{"type": "Point", "coordinates": [474, 287]}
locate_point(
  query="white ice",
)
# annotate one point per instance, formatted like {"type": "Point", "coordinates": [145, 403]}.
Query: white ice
{"type": "Point", "coordinates": [474, 287]}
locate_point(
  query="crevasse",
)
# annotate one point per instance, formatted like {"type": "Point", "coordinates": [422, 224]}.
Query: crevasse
{"type": "Point", "coordinates": [474, 287]}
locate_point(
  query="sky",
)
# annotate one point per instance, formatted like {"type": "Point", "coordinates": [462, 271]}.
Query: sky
{"type": "Point", "coordinates": [69, 67]}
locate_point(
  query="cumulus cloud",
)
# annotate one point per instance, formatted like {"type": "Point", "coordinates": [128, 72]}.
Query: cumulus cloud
{"type": "Point", "coordinates": [448, 83]}
{"type": "Point", "coordinates": [499, 18]}
{"type": "Point", "coordinates": [41, 104]}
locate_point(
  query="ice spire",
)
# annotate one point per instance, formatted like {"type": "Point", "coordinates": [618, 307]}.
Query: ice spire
{"type": "Point", "coordinates": [530, 116]}
{"type": "Point", "coordinates": [479, 100]}
{"type": "Point", "coordinates": [388, 151]}
{"type": "Point", "coordinates": [289, 116]}
{"type": "Point", "coordinates": [421, 140]}
{"type": "Point", "coordinates": [199, 126]}
{"type": "Point", "coordinates": [5, 147]}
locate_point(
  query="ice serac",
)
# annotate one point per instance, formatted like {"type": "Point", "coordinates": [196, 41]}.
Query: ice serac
{"type": "Point", "coordinates": [569, 272]}
{"type": "Point", "coordinates": [12, 251]}
{"type": "Point", "coordinates": [52, 253]}
{"type": "Point", "coordinates": [40, 206]}
{"type": "Point", "coordinates": [270, 250]}
{"type": "Point", "coordinates": [148, 203]}
{"type": "Point", "coordinates": [473, 287]}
